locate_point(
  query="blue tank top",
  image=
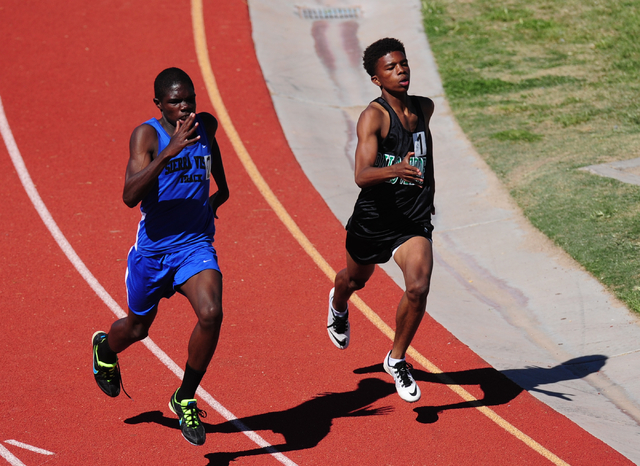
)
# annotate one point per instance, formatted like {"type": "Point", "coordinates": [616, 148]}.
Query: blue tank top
{"type": "Point", "coordinates": [176, 212]}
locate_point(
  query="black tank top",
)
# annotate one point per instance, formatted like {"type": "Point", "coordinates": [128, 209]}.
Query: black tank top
{"type": "Point", "coordinates": [386, 209]}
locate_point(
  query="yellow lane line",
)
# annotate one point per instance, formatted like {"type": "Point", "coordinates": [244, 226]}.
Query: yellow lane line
{"type": "Point", "coordinates": [229, 128]}
{"type": "Point", "coordinates": [245, 158]}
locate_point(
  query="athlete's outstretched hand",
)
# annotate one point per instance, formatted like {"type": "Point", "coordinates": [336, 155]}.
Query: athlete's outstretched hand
{"type": "Point", "coordinates": [184, 135]}
{"type": "Point", "coordinates": [144, 165]}
{"type": "Point", "coordinates": [408, 172]}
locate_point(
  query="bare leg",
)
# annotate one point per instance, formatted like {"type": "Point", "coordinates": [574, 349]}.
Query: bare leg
{"type": "Point", "coordinates": [415, 258]}
{"type": "Point", "coordinates": [350, 280]}
{"type": "Point", "coordinates": [204, 292]}
{"type": "Point", "coordinates": [126, 331]}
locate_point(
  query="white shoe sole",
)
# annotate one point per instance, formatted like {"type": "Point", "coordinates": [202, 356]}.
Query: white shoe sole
{"type": "Point", "coordinates": [408, 395]}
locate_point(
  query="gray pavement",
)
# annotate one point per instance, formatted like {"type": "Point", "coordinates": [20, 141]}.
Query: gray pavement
{"type": "Point", "coordinates": [627, 171]}
{"type": "Point", "coordinates": [499, 285]}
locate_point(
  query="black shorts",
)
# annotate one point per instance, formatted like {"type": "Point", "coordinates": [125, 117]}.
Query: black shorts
{"type": "Point", "coordinates": [366, 251]}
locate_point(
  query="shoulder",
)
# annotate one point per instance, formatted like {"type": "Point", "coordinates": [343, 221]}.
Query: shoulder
{"type": "Point", "coordinates": [210, 123]}
{"type": "Point", "coordinates": [144, 133]}
{"type": "Point", "coordinates": [376, 108]}
{"type": "Point", "coordinates": [427, 105]}
{"type": "Point", "coordinates": [373, 116]}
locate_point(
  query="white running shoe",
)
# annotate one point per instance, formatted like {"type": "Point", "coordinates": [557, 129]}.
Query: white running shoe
{"type": "Point", "coordinates": [406, 387]}
{"type": "Point", "coordinates": [338, 327]}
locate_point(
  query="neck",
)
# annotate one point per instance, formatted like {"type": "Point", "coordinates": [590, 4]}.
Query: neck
{"type": "Point", "coordinates": [396, 99]}
{"type": "Point", "coordinates": [168, 127]}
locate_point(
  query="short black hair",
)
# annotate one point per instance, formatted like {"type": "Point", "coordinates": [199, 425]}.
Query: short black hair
{"type": "Point", "coordinates": [169, 78]}
{"type": "Point", "coordinates": [378, 50]}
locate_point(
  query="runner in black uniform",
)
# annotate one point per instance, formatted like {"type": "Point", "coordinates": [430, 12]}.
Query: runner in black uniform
{"type": "Point", "coordinates": [392, 216]}
{"type": "Point", "coordinates": [387, 214]}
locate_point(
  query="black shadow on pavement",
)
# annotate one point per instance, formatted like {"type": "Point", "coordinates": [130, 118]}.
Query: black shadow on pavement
{"type": "Point", "coordinates": [302, 426]}
{"type": "Point", "coordinates": [500, 387]}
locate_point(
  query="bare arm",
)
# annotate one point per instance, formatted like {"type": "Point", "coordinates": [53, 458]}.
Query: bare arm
{"type": "Point", "coordinates": [144, 166]}
{"type": "Point", "coordinates": [217, 171]}
{"type": "Point", "coordinates": [369, 128]}
{"type": "Point", "coordinates": [428, 107]}
{"type": "Point", "coordinates": [217, 168]}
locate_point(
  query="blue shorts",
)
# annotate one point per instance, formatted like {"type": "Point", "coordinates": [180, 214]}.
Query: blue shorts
{"type": "Point", "coordinates": [151, 278]}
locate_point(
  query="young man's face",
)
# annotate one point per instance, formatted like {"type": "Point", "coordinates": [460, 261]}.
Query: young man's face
{"type": "Point", "coordinates": [392, 72]}
{"type": "Point", "coordinates": [178, 103]}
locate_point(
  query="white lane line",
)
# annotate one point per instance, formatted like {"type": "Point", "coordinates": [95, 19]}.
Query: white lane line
{"type": "Point", "coordinates": [7, 455]}
{"type": "Point", "coordinates": [29, 447]}
{"type": "Point", "coordinates": [82, 269]}
{"type": "Point", "coordinates": [46, 217]}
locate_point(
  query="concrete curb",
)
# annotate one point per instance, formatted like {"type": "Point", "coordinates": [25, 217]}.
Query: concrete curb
{"type": "Point", "coordinates": [499, 285]}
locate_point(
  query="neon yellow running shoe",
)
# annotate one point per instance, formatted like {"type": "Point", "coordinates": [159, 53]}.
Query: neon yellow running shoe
{"type": "Point", "coordinates": [189, 416]}
{"type": "Point", "coordinates": [107, 375]}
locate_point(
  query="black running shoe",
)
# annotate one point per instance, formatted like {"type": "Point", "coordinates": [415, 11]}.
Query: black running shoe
{"type": "Point", "coordinates": [107, 375]}
{"type": "Point", "coordinates": [189, 416]}
{"type": "Point", "coordinates": [338, 327]}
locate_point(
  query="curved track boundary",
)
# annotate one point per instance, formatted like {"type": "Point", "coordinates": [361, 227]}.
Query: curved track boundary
{"type": "Point", "coordinates": [260, 183]}
{"type": "Point", "coordinates": [199, 36]}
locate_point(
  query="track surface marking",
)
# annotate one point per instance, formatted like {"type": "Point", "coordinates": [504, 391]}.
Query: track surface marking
{"type": "Point", "coordinates": [283, 215]}
{"type": "Point", "coordinates": [42, 210]}
{"type": "Point", "coordinates": [79, 82]}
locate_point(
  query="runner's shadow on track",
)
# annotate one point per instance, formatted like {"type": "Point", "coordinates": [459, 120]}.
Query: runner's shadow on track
{"type": "Point", "coordinates": [305, 425]}
{"type": "Point", "coordinates": [500, 387]}
{"type": "Point", "coordinates": [156, 417]}
{"type": "Point", "coordinates": [302, 426]}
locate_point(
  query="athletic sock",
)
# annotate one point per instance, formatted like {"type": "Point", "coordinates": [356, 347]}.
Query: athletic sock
{"type": "Point", "coordinates": [393, 362]}
{"type": "Point", "coordinates": [105, 353]}
{"type": "Point", "coordinates": [338, 314]}
{"type": "Point", "coordinates": [190, 382]}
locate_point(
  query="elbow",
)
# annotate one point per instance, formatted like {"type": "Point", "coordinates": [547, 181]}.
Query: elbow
{"type": "Point", "coordinates": [132, 196]}
{"type": "Point", "coordinates": [131, 203]}
{"type": "Point", "coordinates": [362, 183]}
{"type": "Point", "coordinates": [222, 196]}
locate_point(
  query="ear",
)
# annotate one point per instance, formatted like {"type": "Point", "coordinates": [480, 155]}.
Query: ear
{"type": "Point", "coordinates": [157, 102]}
{"type": "Point", "coordinates": [375, 80]}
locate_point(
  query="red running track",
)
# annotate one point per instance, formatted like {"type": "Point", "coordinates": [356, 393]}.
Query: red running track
{"type": "Point", "coordinates": [76, 79]}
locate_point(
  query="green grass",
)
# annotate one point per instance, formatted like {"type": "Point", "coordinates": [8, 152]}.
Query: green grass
{"type": "Point", "coordinates": [516, 135]}
{"type": "Point", "coordinates": [542, 88]}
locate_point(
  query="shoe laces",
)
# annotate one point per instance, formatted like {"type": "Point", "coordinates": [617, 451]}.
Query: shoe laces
{"type": "Point", "coordinates": [113, 372]}
{"type": "Point", "coordinates": [403, 374]}
{"type": "Point", "coordinates": [192, 414]}
{"type": "Point", "coordinates": [121, 384]}
{"type": "Point", "coordinates": [340, 323]}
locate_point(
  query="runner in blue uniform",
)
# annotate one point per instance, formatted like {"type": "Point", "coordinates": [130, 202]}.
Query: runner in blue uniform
{"type": "Point", "coordinates": [392, 215]}
{"type": "Point", "coordinates": [170, 163]}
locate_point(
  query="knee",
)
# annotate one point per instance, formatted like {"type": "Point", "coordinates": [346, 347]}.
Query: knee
{"type": "Point", "coordinates": [418, 290]}
{"type": "Point", "coordinates": [344, 281]}
{"type": "Point", "coordinates": [210, 316]}
{"type": "Point", "coordinates": [138, 331]}
{"type": "Point", "coordinates": [355, 285]}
